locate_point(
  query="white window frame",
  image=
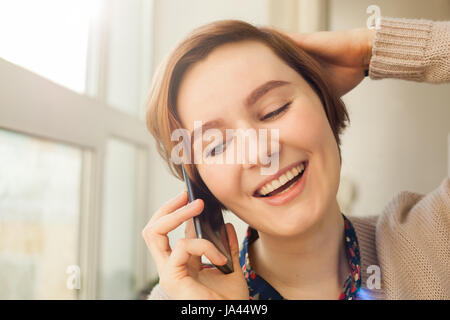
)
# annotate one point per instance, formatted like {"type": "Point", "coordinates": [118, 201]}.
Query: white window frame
{"type": "Point", "coordinates": [35, 106]}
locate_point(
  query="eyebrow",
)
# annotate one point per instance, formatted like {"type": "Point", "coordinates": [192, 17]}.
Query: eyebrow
{"type": "Point", "coordinates": [251, 99]}
{"type": "Point", "coordinates": [207, 125]}
{"type": "Point", "coordinates": [257, 93]}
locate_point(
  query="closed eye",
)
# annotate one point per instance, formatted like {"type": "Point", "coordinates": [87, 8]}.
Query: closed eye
{"type": "Point", "coordinates": [218, 149]}
{"type": "Point", "coordinates": [275, 113]}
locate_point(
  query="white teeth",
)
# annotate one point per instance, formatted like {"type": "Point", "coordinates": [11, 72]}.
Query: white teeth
{"type": "Point", "coordinates": [290, 175]}
{"type": "Point", "coordinates": [276, 184]}
{"type": "Point", "coordinates": [283, 179]}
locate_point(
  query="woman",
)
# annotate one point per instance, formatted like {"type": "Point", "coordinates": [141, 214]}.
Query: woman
{"type": "Point", "coordinates": [299, 245]}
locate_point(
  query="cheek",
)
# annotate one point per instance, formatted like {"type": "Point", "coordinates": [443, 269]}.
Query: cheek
{"type": "Point", "coordinates": [219, 179]}
{"type": "Point", "coordinates": [307, 127]}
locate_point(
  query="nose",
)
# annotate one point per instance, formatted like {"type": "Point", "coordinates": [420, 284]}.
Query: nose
{"type": "Point", "coordinates": [260, 147]}
{"type": "Point", "coordinates": [250, 149]}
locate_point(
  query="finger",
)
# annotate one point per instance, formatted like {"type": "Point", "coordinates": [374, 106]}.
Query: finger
{"type": "Point", "coordinates": [173, 220]}
{"type": "Point", "coordinates": [191, 234]}
{"type": "Point", "coordinates": [171, 205]}
{"type": "Point", "coordinates": [189, 231]}
{"type": "Point", "coordinates": [317, 42]}
{"type": "Point", "coordinates": [160, 250]}
{"type": "Point", "coordinates": [234, 246]}
{"type": "Point", "coordinates": [185, 248]}
{"type": "Point", "coordinates": [299, 38]}
{"type": "Point", "coordinates": [155, 234]}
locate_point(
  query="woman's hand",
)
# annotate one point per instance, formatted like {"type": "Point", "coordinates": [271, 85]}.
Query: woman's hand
{"type": "Point", "coordinates": [180, 270]}
{"type": "Point", "coordinates": [345, 55]}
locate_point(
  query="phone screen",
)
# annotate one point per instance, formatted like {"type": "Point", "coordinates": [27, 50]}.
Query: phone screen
{"type": "Point", "coordinates": [210, 225]}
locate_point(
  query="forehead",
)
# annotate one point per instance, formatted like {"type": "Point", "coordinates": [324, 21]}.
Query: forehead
{"type": "Point", "coordinates": [225, 77]}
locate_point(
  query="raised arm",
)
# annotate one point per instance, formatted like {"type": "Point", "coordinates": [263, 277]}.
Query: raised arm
{"type": "Point", "coordinates": [410, 49]}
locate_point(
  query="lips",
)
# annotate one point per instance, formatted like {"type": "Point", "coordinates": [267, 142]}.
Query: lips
{"type": "Point", "coordinates": [282, 180]}
{"type": "Point", "coordinates": [291, 191]}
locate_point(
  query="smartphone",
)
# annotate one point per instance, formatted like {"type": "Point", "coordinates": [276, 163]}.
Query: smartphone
{"type": "Point", "coordinates": [209, 224]}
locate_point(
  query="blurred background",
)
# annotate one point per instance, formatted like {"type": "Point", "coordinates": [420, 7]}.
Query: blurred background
{"type": "Point", "coordinates": [79, 174]}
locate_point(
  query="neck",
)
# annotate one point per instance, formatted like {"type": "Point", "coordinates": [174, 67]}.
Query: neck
{"type": "Point", "coordinates": [311, 265]}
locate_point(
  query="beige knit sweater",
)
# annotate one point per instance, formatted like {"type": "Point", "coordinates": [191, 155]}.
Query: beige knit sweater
{"type": "Point", "coordinates": [409, 242]}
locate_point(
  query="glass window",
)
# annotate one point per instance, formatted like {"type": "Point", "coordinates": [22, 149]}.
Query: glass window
{"type": "Point", "coordinates": [118, 240]}
{"type": "Point", "coordinates": [39, 216]}
{"type": "Point", "coordinates": [129, 56]}
{"type": "Point", "coordinates": [49, 37]}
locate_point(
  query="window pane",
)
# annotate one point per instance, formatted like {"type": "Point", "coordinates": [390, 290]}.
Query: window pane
{"type": "Point", "coordinates": [118, 249]}
{"type": "Point", "coordinates": [128, 54]}
{"type": "Point", "coordinates": [48, 37]}
{"type": "Point", "coordinates": [39, 216]}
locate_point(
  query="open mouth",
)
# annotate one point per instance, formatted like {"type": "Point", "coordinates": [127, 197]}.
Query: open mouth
{"type": "Point", "coordinates": [283, 183]}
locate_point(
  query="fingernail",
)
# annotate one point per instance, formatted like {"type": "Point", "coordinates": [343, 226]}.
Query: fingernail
{"type": "Point", "coordinates": [193, 203]}
{"type": "Point", "coordinates": [223, 259]}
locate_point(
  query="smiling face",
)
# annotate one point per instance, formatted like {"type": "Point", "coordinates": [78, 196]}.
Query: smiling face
{"type": "Point", "coordinates": [218, 88]}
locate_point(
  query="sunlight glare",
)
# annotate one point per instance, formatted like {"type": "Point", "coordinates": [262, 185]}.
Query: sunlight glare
{"type": "Point", "coordinates": [48, 37]}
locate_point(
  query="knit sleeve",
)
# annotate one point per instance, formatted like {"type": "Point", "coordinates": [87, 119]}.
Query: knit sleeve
{"type": "Point", "coordinates": [411, 49]}
{"type": "Point", "coordinates": [413, 245]}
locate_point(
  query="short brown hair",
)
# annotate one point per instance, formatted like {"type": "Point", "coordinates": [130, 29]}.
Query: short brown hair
{"type": "Point", "coordinates": [162, 115]}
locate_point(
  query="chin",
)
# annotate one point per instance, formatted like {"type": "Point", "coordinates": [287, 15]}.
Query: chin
{"type": "Point", "coordinates": [294, 223]}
